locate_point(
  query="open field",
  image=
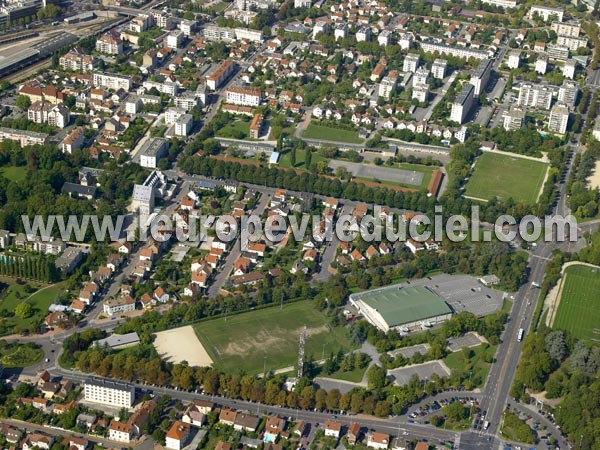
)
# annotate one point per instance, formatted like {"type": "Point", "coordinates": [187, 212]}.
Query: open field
{"type": "Point", "coordinates": [14, 173]}
{"type": "Point", "coordinates": [269, 337]}
{"type": "Point", "coordinates": [579, 308]}
{"type": "Point", "coordinates": [181, 344]}
{"type": "Point", "coordinates": [504, 176]}
{"type": "Point", "coordinates": [314, 131]}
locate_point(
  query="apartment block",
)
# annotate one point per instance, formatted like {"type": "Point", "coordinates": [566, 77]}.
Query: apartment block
{"type": "Point", "coordinates": [109, 392]}
{"type": "Point", "coordinates": [462, 104]}
{"type": "Point", "coordinates": [243, 96]}
{"type": "Point", "coordinates": [481, 77]}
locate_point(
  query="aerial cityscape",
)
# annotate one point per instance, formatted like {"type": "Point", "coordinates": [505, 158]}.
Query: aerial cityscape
{"type": "Point", "coordinates": [299, 224]}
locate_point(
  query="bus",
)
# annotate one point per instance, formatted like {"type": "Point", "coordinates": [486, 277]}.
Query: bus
{"type": "Point", "coordinates": [520, 336]}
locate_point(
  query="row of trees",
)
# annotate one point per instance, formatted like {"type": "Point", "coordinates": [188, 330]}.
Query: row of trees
{"type": "Point", "coordinates": [34, 267]}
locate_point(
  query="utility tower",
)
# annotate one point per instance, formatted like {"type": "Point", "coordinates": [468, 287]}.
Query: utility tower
{"type": "Point", "coordinates": [301, 352]}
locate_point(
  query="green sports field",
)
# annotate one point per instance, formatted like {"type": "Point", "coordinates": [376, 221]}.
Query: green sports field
{"type": "Point", "coordinates": [504, 176]}
{"type": "Point", "coordinates": [579, 308]}
{"type": "Point", "coordinates": [246, 342]}
{"type": "Point", "coordinates": [314, 131]}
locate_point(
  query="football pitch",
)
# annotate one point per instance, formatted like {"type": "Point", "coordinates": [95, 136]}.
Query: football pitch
{"type": "Point", "coordinates": [504, 176]}
{"type": "Point", "coordinates": [579, 308]}
{"type": "Point", "coordinates": [270, 337]}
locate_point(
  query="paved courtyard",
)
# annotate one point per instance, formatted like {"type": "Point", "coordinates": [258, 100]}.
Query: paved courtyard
{"type": "Point", "coordinates": [402, 375]}
{"type": "Point", "coordinates": [380, 173]}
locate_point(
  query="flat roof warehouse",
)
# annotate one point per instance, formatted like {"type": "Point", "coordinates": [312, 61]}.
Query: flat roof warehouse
{"type": "Point", "coordinates": [400, 306]}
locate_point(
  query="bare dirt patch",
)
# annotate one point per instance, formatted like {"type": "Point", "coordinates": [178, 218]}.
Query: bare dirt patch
{"type": "Point", "coordinates": [181, 344]}
{"type": "Point", "coordinates": [594, 179]}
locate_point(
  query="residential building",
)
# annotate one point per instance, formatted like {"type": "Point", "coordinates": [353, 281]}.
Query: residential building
{"type": "Point", "coordinates": [514, 59]}
{"type": "Point", "coordinates": [363, 34]}
{"type": "Point", "coordinates": [569, 69]}
{"type": "Point", "coordinates": [183, 125]}
{"type": "Point", "coordinates": [438, 68]}
{"type": "Point", "coordinates": [152, 151]}
{"type": "Point", "coordinates": [24, 137]}
{"type": "Point", "coordinates": [535, 96]}
{"type": "Point", "coordinates": [243, 96]}
{"type": "Point", "coordinates": [571, 29]}
{"type": "Point", "coordinates": [378, 440]}
{"type": "Point", "coordinates": [120, 431]}
{"type": "Point", "coordinates": [302, 3]}
{"type": "Point", "coordinates": [481, 76]}
{"type": "Point", "coordinates": [174, 39]}
{"type": "Point", "coordinates": [54, 115]}
{"type": "Point", "coordinates": [333, 429]}
{"type": "Point", "coordinates": [546, 13]}
{"type": "Point", "coordinates": [559, 119]}
{"type": "Point", "coordinates": [458, 52]}
{"type": "Point", "coordinates": [462, 104]}
{"type": "Point", "coordinates": [506, 4]}
{"type": "Point", "coordinates": [384, 38]}
{"type": "Point", "coordinates": [177, 435]}
{"type": "Point", "coordinates": [341, 31]}
{"type": "Point", "coordinates": [557, 52]}
{"type": "Point", "coordinates": [119, 305]}
{"type": "Point", "coordinates": [411, 63]}
{"type": "Point", "coordinates": [421, 76]}
{"type": "Point", "coordinates": [568, 93]}
{"type": "Point", "coordinates": [572, 43]}
{"type": "Point", "coordinates": [216, 33]}
{"type": "Point", "coordinates": [69, 259]}
{"type": "Point", "coordinates": [513, 118]}
{"type": "Point", "coordinates": [387, 86]}
{"type": "Point", "coordinates": [420, 93]}
{"type": "Point", "coordinates": [166, 87]}
{"type": "Point", "coordinates": [405, 41]}
{"type": "Point", "coordinates": [188, 27]}
{"type": "Point", "coordinates": [109, 43]}
{"type": "Point", "coordinates": [255, 126]}
{"type": "Point", "coordinates": [541, 64]}
{"type": "Point", "coordinates": [219, 76]}
{"type": "Point", "coordinates": [111, 81]}
{"type": "Point", "coordinates": [75, 59]}
{"type": "Point", "coordinates": [109, 392]}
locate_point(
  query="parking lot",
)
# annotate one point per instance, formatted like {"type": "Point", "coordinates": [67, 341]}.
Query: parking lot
{"type": "Point", "coordinates": [380, 173]}
{"type": "Point", "coordinates": [464, 293]}
{"type": "Point", "coordinates": [409, 352]}
{"type": "Point", "coordinates": [470, 339]}
{"type": "Point", "coordinates": [402, 375]}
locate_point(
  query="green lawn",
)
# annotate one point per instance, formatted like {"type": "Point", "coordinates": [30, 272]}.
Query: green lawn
{"type": "Point", "coordinates": [14, 173]}
{"type": "Point", "coordinates": [457, 362]}
{"type": "Point", "coordinates": [40, 300]}
{"type": "Point", "coordinates": [314, 131]}
{"type": "Point", "coordinates": [237, 129]}
{"type": "Point", "coordinates": [504, 176]}
{"type": "Point", "coordinates": [248, 341]}
{"type": "Point", "coordinates": [579, 308]}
